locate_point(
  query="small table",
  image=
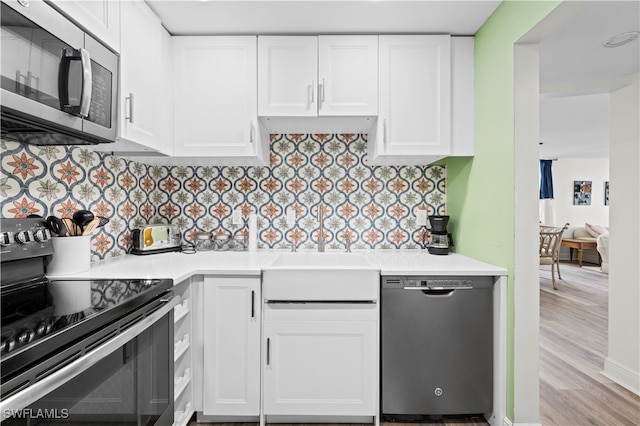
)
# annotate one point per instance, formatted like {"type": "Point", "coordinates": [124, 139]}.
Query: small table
{"type": "Point", "coordinates": [581, 245]}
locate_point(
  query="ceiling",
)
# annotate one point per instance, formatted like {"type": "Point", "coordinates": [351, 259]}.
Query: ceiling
{"type": "Point", "coordinates": [576, 71]}
{"type": "Point", "coordinates": [236, 17]}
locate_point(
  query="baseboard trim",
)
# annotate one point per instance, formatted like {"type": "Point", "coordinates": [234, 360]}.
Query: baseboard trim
{"type": "Point", "coordinates": [508, 422]}
{"type": "Point", "coordinates": [626, 378]}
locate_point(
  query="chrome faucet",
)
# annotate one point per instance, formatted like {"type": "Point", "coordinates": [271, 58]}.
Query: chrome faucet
{"type": "Point", "coordinates": [321, 241]}
{"type": "Point", "coordinates": [347, 242]}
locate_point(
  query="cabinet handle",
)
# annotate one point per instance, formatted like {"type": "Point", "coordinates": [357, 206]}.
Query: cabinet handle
{"type": "Point", "coordinates": [313, 98]}
{"type": "Point", "coordinates": [130, 100]}
{"type": "Point", "coordinates": [384, 134]}
{"type": "Point", "coordinates": [251, 132]}
{"type": "Point", "coordinates": [253, 303]}
{"type": "Point", "coordinates": [322, 99]}
{"type": "Point", "coordinates": [268, 351]}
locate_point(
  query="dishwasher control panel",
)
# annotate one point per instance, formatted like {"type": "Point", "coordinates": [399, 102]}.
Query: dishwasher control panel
{"type": "Point", "coordinates": [428, 283]}
{"type": "Point", "coordinates": [438, 284]}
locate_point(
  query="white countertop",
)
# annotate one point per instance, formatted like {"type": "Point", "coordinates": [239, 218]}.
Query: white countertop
{"type": "Point", "coordinates": [180, 266]}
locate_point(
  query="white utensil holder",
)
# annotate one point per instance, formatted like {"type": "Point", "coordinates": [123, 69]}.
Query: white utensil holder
{"type": "Point", "coordinates": [70, 255]}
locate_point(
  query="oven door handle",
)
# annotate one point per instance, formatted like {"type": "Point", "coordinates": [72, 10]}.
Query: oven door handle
{"type": "Point", "coordinates": [38, 390]}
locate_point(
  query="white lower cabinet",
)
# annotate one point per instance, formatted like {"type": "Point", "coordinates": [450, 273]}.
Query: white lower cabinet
{"type": "Point", "coordinates": [320, 360]}
{"type": "Point", "coordinates": [183, 366]}
{"type": "Point", "coordinates": [231, 344]}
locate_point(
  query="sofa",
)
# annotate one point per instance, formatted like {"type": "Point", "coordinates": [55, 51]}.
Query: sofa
{"type": "Point", "coordinates": [593, 233]}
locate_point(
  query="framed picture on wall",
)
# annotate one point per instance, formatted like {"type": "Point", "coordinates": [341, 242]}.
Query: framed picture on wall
{"type": "Point", "coordinates": [581, 192]}
{"type": "Point", "coordinates": [606, 193]}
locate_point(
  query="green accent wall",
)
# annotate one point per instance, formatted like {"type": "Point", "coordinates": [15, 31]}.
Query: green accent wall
{"type": "Point", "coordinates": [480, 190]}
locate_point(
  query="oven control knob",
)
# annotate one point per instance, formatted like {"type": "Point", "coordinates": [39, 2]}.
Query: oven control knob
{"type": "Point", "coordinates": [26, 336]}
{"type": "Point", "coordinates": [41, 234]}
{"type": "Point", "coordinates": [8, 345]}
{"type": "Point", "coordinates": [6, 238]}
{"type": "Point", "coordinates": [43, 329]}
{"type": "Point", "coordinates": [24, 237]}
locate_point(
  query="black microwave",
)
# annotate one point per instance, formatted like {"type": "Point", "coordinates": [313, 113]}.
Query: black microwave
{"type": "Point", "coordinates": [59, 84]}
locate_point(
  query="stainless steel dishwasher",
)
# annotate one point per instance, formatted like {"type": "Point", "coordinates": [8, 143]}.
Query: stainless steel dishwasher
{"type": "Point", "coordinates": [436, 346]}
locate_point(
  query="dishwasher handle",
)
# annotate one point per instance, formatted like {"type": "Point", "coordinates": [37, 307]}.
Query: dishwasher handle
{"type": "Point", "coordinates": [437, 292]}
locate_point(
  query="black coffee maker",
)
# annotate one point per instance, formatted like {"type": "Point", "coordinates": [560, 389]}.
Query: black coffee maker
{"type": "Point", "coordinates": [441, 240]}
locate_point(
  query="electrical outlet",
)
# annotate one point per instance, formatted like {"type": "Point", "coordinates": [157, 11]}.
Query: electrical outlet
{"type": "Point", "coordinates": [237, 217]}
{"type": "Point", "coordinates": [421, 217]}
{"type": "Point", "coordinates": [291, 216]}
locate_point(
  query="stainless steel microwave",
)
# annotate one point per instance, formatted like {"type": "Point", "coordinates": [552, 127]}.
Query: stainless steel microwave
{"type": "Point", "coordinates": [59, 84]}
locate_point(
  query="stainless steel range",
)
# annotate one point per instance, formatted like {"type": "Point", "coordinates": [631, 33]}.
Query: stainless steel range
{"type": "Point", "coordinates": [88, 351]}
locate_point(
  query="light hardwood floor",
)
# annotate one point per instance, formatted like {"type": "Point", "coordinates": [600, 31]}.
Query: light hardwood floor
{"type": "Point", "coordinates": [573, 346]}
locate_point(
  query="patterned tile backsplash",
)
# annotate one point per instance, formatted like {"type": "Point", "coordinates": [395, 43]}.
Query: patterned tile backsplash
{"type": "Point", "coordinates": [375, 206]}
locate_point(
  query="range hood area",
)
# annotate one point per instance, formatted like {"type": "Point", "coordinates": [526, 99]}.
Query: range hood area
{"type": "Point", "coordinates": [327, 125]}
{"type": "Point", "coordinates": [32, 130]}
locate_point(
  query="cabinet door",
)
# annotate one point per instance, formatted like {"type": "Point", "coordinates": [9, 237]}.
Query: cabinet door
{"type": "Point", "coordinates": [215, 96]}
{"type": "Point", "coordinates": [140, 90]}
{"type": "Point", "coordinates": [231, 346]}
{"type": "Point", "coordinates": [462, 96]}
{"type": "Point", "coordinates": [164, 143]}
{"type": "Point", "coordinates": [414, 117]}
{"type": "Point", "coordinates": [99, 17]}
{"type": "Point", "coordinates": [287, 76]}
{"type": "Point", "coordinates": [320, 368]}
{"type": "Point", "coordinates": [348, 75]}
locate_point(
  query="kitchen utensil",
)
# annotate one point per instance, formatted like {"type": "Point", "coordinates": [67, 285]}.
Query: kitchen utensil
{"type": "Point", "coordinates": [82, 219]}
{"type": "Point", "coordinates": [103, 221]}
{"type": "Point", "coordinates": [72, 228]}
{"type": "Point", "coordinates": [89, 228]}
{"type": "Point", "coordinates": [57, 226]}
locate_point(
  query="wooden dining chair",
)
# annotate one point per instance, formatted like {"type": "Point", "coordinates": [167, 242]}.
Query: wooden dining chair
{"type": "Point", "coordinates": [549, 249]}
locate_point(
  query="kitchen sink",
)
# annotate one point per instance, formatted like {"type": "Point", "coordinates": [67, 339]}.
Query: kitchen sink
{"type": "Point", "coordinates": [312, 276]}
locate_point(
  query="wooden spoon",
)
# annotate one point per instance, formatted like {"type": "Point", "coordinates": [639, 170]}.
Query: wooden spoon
{"type": "Point", "coordinates": [88, 228]}
{"type": "Point", "coordinates": [72, 228]}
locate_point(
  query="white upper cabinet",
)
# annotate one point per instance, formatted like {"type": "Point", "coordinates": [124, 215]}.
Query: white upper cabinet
{"type": "Point", "coordinates": [140, 90]}
{"type": "Point", "coordinates": [288, 76]}
{"type": "Point", "coordinates": [164, 142]}
{"type": "Point", "coordinates": [415, 100]}
{"type": "Point", "coordinates": [462, 96]}
{"type": "Point", "coordinates": [100, 17]}
{"type": "Point", "coordinates": [348, 75]}
{"type": "Point", "coordinates": [309, 76]}
{"type": "Point", "coordinates": [215, 105]}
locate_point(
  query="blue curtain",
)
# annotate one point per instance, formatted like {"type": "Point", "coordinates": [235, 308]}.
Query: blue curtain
{"type": "Point", "coordinates": [546, 179]}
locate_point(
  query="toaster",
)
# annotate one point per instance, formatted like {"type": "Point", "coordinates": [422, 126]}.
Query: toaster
{"type": "Point", "coordinates": [149, 239]}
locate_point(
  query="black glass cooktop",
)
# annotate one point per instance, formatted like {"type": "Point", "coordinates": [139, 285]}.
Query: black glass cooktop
{"type": "Point", "coordinates": [42, 316]}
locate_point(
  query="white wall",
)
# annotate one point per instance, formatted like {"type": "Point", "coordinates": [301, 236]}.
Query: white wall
{"type": "Point", "coordinates": [565, 171]}
{"type": "Point", "coordinates": [623, 361]}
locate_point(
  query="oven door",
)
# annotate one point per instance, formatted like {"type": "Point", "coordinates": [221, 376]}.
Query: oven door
{"type": "Point", "coordinates": [127, 380]}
